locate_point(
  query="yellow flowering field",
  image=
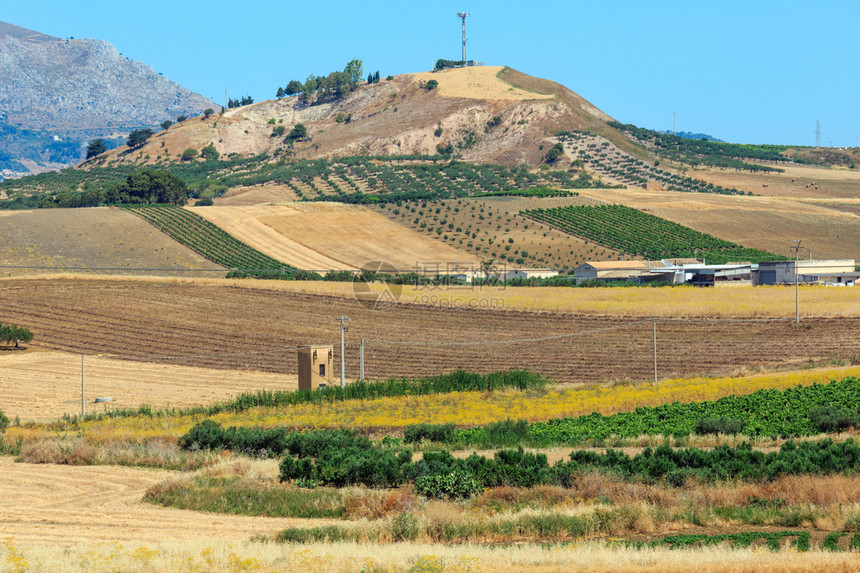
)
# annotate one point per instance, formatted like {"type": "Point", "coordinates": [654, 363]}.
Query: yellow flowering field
{"type": "Point", "coordinates": [466, 408]}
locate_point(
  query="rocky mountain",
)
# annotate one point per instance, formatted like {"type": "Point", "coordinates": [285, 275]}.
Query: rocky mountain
{"type": "Point", "coordinates": [55, 94]}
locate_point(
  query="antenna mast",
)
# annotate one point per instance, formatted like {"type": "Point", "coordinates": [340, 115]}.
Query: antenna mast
{"type": "Point", "coordinates": [462, 16]}
{"type": "Point", "coordinates": [817, 133]}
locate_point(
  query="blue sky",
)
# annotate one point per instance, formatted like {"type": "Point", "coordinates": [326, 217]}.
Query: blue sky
{"type": "Point", "coordinates": [753, 71]}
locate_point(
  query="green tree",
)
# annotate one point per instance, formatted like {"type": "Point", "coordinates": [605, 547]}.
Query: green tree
{"type": "Point", "coordinates": [354, 70]}
{"type": "Point", "coordinates": [138, 137]}
{"type": "Point", "coordinates": [299, 131]}
{"type": "Point", "coordinates": [431, 85]}
{"type": "Point", "coordinates": [189, 154]}
{"type": "Point", "coordinates": [149, 186]}
{"type": "Point", "coordinates": [166, 123]}
{"type": "Point", "coordinates": [10, 333]}
{"type": "Point", "coordinates": [294, 87]}
{"type": "Point", "coordinates": [96, 147]}
{"type": "Point", "coordinates": [280, 93]}
{"type": "Point", "coordinates": [555, 152]}
{"type": "Point", "coordinates": [208, 111]}
{"type": "Point", "coordinates": [311, 84]}
{"type": "Point", "coordinates": [210, 153]}
{"type": "Point", "coordinates": [181, 118]}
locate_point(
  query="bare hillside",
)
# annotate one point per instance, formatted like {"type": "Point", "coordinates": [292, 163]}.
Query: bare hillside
{"type": "Point", "coordinates": [486, 114]}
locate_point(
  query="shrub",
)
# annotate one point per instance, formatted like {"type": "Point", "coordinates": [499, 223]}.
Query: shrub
{"type": "Point", "coordinates": [432, 432]}
{"type": "Point", "coordinates": [189, 154]}
{"type": "Point", "coordinates": [832, 419]}
{"type": "Point", "coordinates": [210, 153]}
{"type": "Point", "coordinates": [721, 425]}
{"type": "Point", "coordinates": [4, 422]}
{"type": "Point", "coordinates": [457, 484]}
{"type": "Point", "coordinates": [507, 432]}
{"type": "Point", "coordinates": [404, 527]}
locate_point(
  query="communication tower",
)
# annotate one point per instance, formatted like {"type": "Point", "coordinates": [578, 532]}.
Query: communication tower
{"type": "Point", "coordinates": [817, 133]}
{"type": "Point", "coordinates": [462, 16]}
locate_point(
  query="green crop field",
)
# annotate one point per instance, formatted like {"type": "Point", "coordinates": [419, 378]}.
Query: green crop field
{"type": "Point", "coordinates": [635, 232]}
{"type": "Point", "coordinates": [206, 238]}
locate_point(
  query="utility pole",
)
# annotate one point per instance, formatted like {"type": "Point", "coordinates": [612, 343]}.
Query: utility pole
{"type": "Point", "coordinates": [83, 390]}
{"type": "Point", "coordinates": [343, 329]}
{"type": "Point", "coordinates": [361, 362]}
{"type": "Point", "coordinates": [796, 249]}
{"type": "Point", "coordinates": [655, 350]}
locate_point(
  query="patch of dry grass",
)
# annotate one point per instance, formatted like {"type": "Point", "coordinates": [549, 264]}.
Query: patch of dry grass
{"type": "Point", "coordinates": [202, 555]}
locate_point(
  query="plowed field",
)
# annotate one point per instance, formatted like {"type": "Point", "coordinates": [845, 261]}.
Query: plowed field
{"type": "Point", "coordinates": [226, 327]}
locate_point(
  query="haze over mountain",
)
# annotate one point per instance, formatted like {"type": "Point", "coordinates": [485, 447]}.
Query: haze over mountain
{"type": "Point", "coordinates": [75, 90]}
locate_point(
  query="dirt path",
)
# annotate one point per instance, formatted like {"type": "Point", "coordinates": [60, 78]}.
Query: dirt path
{"type": "Point", "coordinates": [68, 505]}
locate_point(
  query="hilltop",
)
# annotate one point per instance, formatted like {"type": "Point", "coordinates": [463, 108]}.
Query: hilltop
{"type": "Point", "coordinates": [485, 114]}
{"type": "Point", "coordinates": [56, 93]}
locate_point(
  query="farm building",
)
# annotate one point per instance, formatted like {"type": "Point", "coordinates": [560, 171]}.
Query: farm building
{"type": "Point", "coordinates": [614, 270]}
{"type": "Point", "coordinates": [315, 366]}
{"type": "Point", "coordinates": [527, 274]}
{"type": "Point", "coordinates": [833, 271]}
{"type": "Point", "coordinates": [700, 274]}
{"type": "Point", "coordinates": [674, 271]}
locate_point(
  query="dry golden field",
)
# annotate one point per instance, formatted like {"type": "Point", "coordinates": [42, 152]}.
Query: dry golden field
{"type": "Point", "coordinates": [481, 83]}
{"type": "Point", "coordinates": [761, 222]}
{"type": "Point", "coordinates": [800, 182]}
{"type": "Point", "coordinates": [39, 385]}
{"type": "Point", "coordinates": [331, 236]}
{"type": "Point", "coordinates": [68, 505]}
{"type": "Point", "coordinates": [97, 237]}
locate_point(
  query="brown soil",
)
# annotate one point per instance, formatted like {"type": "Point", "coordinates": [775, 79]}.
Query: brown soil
{"type": "Point", "coordinates": [69, 505]}
{"type": "Point", "coordinates": [227, 327]}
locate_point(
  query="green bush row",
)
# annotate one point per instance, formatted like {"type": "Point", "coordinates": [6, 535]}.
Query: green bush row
{"type": "Point", "coordinates": [439, 474]}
